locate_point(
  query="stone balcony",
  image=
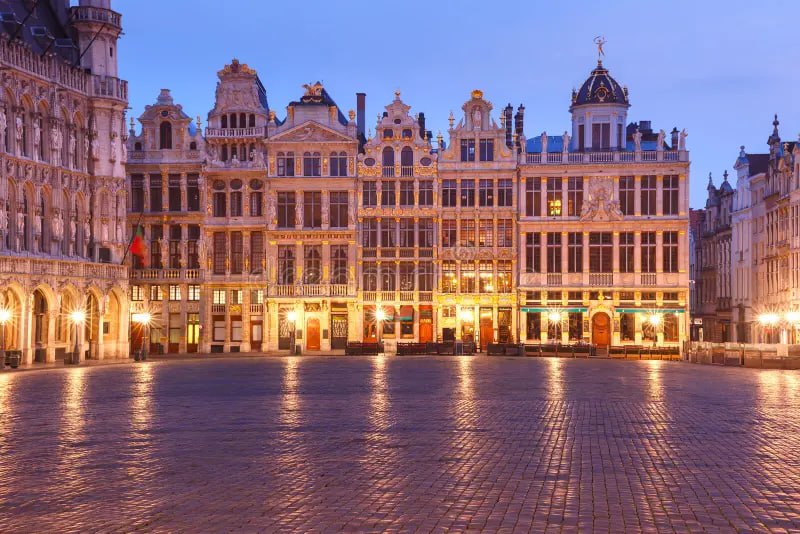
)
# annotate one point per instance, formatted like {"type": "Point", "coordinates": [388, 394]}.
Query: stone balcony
{"type": "Point", "coordinates": [311, 290]}
{"type": "Point", "coordinates": [63, 268]}
{"type": "Point", "coordinates": [171, 275]}
{"type": "Point", "coordinates": [603, 280]}
{"type": "Point", "coordinates": [99, 15]}
{"type": "Point", "coordinates": [397, 296]}
{"type": "Point", "coordinates": [109, 87]}
{"type": "Point", "coordinates": [236, 133]}
{"type": "Point", "coordinates": [582, 158]}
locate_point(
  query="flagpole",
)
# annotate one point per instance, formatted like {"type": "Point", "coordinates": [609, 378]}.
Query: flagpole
{"type": "Point", "coordinates": [133, 236]}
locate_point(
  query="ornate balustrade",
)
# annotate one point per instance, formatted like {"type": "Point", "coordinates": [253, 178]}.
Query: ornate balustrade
{"type": "Point", "coordinates": [578, 158]}
{"type": "Point", "coordinates": [62, 268]}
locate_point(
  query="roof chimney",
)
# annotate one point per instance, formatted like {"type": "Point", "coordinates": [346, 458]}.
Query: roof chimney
{"type": "Point", "coordinates": [421, 122]}
{"type": "Point", "coordinates": [507, 112]}
{"type": "Point", "coordinates": [361, 107]}
{"type": "Point", "coordinates": [518, 123]}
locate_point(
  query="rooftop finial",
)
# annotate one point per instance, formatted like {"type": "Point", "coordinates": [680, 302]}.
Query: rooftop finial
{"type": "Point", "coordinates": [600, 41]}
{"type": "Point", "coordinates": [742, 153]}
{"type": "Point", "coordinates": [710, 181]}
{"type": "Point", "coordinates": [725, 175]}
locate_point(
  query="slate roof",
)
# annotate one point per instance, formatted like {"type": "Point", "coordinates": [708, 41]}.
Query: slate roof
{"type": "Point", "coordinates": [51, 14]}
{"type": "Point", "coordinates": [600, 88]}
{"type": "Point", "coordinates": [758, 163]}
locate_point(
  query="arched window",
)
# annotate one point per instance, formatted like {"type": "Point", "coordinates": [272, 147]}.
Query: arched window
{"type": "Point", "coordinates": [242, 121]}
{"type": "Point", "coordinates": [407, 133]}
{"type": "Point", "coordinates": [388, 133]}
{"type": "Point", "coordinates": [166, 136]}
{"type": "Point", "coordinates": [26, 221]}
{"type": "Point", "coordinates": [224, 121]}
{"type": "Point", "coordinates": [252, 121]}
{"type": "Point", "coordinates": [387, 159]}
{"type": "Point", "coordinates": [233, 120]}
{"type": "Point", "coordinates": [407, 157]}
{"type": "Point", "coordinates": [44, 224]}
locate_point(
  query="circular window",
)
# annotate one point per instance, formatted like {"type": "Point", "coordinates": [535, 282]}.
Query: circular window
{"type": "Point", "coordinates": [236, 184]}
{"type": "Point", "coordinates": [255, 184]}
{"type": "Point", "coordinates": [219, 185]}
{"type": "Point", "coordinates": [425, 161]}
{"type": "Point", "coordinates": [397, 121]}
{"type": "Point", "coordinates": [369, 162]}
{"type": "Point", "coordinates": [165, 113]}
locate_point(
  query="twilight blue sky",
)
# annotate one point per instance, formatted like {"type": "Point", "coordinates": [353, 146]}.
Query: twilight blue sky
{"type": "Point", "coordinates": [718, 69]}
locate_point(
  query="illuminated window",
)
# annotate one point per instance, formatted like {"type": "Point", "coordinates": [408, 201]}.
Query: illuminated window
{"type": "Point", "coordinates": [554, 194]}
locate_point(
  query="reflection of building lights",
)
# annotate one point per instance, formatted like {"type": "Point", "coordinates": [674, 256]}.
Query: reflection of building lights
{"type": "Point", "coordinates": [655, 319]}
{"type": "Point", "coordinates": [554, 317]}
{"type": "Point", "coordinates": [768, 319]}
{"type": "Point", "coordinates": [793, 317]}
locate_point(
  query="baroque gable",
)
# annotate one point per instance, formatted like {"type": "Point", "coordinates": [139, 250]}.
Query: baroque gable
{"type": "Point", "coordinates": [311, 132]}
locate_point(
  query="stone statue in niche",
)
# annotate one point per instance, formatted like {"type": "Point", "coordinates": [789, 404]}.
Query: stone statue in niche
{"type": "Point", "coordinates": [3, 220]}
{"type": "Point", "coordinates": [58, 226]}
{"type": "Point", "coordinates": [271, 209]}
{"type": "Point", "coordinates": [477, 118]}
{"type": "Point", "coordinates": [19, 125]}
{"type": "Point", "coordinates": [3, 126]}
{"type": "Point", "coordinates": [565, 142]}
{"type": "Point", "coordinates": [73, 145]}
{"type": "Point", "coordinates": [298, 212]}
{"type": "Point", "coordinates": [37, 137]}
{"type": "Point", "coordinates": [599, 204]}
{"type": "Point", "coordinates": [544, 142]}
{"type": "Point", "coordinates": [56, 142]}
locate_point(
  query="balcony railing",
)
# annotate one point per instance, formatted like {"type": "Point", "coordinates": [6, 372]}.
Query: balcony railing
{"type": "Point", "coordinates": [554, 279]}
{"type": "Point", "coordinates": [63, 268]}
{"type": "Point", "coordinates": [601, 279]}
{"type": "Point", "coordinates": [256, 308]}
{"type": "Point", "coordinates": [109, 87]}
{"type": "Point", "coordinates": [561, 158]}
{"type": "Point", "coordinates": [407, 171]}
{"type": "Point", "coordinates": [649, 279]}
{"type": "Point", "coordinates": [165, 274]}
{"type": "Point", "coordinates": [96, 14]}
{"type": "Point", "coordinates": [218, 308]}
{"type": "Point", "coordinates": [388, 171]}
{"type": "Point", "coordinates": [312, 290]}
{"type": "Point", "coordinates": [253, 131]}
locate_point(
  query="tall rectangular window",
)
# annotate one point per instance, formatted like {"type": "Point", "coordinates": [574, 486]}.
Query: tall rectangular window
{"type": "Point", "coordinates": [574, 195]}
{"type": "Point", "coordinates": [237, 253]}
{"type": "Point", "coordinates": [407, 193]}
{"type": "Point", "coordinates": [286, 209]}
{"type": "Point", "coordinates": [533, 258]}
{"type": "Point", "coordinates": [369, 194]}
{"type": "Point", "coordinates": [407, 275]}
{"type": "Point", "coordinates": [369, 233]}
{"type": "Point", "coordinates": [286, 164]}
{"type": "Point", "coordinates": [601, 251]}
{"type": "Point", "coordinates": [256, 203]}
{"type": "Point", "coordinates": [338, 164]}
{"type": "Point", "coordinates": [627, 194]}
{"type": "Point", "coordinates": [175, 238]}
{"type": "Point", "coordinates": [449, 193]}
{"type": "Point", "coordinates": [467, 193]}
{"type": "Point", "coordinates": [174, 192]}
{"type": "Point", "coordinates": [601, 136]}
{"type": "Point", "coordinates": [648, 192]}
{"type": "Point", "coordinates": [487, 149]}
{"type": "Point", "coordinates": [648, 250]}
{"type": "Point", "coordinates": [193, 292]}
{"type": "Point", "coordinates": [156, 293]}
{"type": "Point", "coordinates": [156, 203]}
{"type": "Point", "coordinates": [486, 276]}
{"type": "Point", "coordinates": [286, 264]}
{"type": "Point", "coordinates": [426, 193]}
{"type": "Point", "coordinates": [137, 193]}
{"type": "Point", "coordinates": [553, 252]}
{"type": "Point", "coordinates": [554, 197]}
{"type": "Point", "coordinates": [388, 193]}
{"type": "Point", "coordinates": [575, 252]}
{"type": "Point", "coordinates": [670, 256]}
{"type": "Point", "coordinates": [486, 193]}
{"type": "Point", "coordinates": [388, 233]}
{"type": "Point", "coordinates": [174, 292]}
{"type": "Point", "coordinates": [407, 232]}
{"type": "Point", "coordinates": [312, 264]}
{"type": "Point", "coordinates": [388, 276]}
{"type": "Point", "coordinates": [533, 197]}
{"type": "Point", "coordinates": [449, 233]}
{"type": "Point", "coordinates": [505, 192]}
{"type": "Point", "coordinates": [137, 295]}
{"type": "Point", "coordinates": [467, 233]}
{"type": "Point", "coordinates": [220, 202]}
{"type": "Point", "coordinates": [339, 271]}
{"type": "Point", "coordinates": [192, 193]}
{"type": "Point", "coordinates": [236, 204]}
{"type": "Point", "coordinates": [257, 258]}
{"type": "Point", "coordinates": [369, 276]}
{"type": "Point", "coordinates": [312, 209]}
{"type": "Point", "coordinates": [670, 194]}
{"type": "Point", "coordinates": [467, 150]}
{"type": "Point", "coordinates": [425, 233]}
{"type": "Point", "coordinates": [485, 233]}
{"type": "Point", "coordinates": [156, 235]}
{"type": "Point", "coordinates": [312, 164]}
{"type": "Point", "coordinates": [220, 252]}
{"type": "Point", "coordinates": [626, 254]}
{"type": "Point", "coordinates": [338, 216]}
{"type": "Point", "coordinates": [467, 277]}
{"type": "Point", "coordinates": [449, 278]}
{"type": "Point", "coordinates": [425, 276]}
{"type": "Point", "coordinates": [505, 232]}
{"type": "Point", "coordinates": [192, 251]}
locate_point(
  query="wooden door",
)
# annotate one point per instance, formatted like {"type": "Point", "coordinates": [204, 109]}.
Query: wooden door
{"type": "Point", "coordinates": [312, 334]}
{"type": "Point", "coordinates": [256, 334]}
{"type": "Point", "coordinates": [601, 329]}
{"type": "Point", "coordinates": [487, 328]}
{"type": "Point", "coordinates": [425, 331]}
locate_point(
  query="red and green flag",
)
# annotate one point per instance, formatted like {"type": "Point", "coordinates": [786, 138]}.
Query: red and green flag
{"type": "Point", "coordinates": [138, 246]}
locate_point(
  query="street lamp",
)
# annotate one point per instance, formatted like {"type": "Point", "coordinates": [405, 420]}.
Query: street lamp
{"type": "Point", "coordinates": [380, 316]}
{"type": "Point", "coordinates": [555, 319]}
{"type": "Point", "coordinates": [291, 316]}
{"type": "Point", "coordinates": [655, 321]}
{"type": "Point", "coordinates": [143, 319]}
{"type": "Point", "coordinates": [768, 320]}
{"type": "Point", "coordinates": [5, 316]}
{"type": "Point", "coordinates": [77, 317]}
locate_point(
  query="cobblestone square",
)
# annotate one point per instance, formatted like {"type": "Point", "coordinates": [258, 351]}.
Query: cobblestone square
{"type": "Point", "coordinates": [405, 444]}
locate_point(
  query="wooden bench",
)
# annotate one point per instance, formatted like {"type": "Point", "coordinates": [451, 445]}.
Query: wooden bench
{"type": "Point", "coordinates": [357, 348]}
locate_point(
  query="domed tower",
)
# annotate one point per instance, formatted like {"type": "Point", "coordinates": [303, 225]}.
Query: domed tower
{"type": "Point", "coordinates": [98, 29]}
{"type": "Point", "coordinates": [599, 112]}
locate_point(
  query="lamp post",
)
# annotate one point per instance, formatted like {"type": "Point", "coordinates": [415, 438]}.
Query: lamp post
{"type": "Point", "coordinates": [554, 318]}
{"type": "Point", "coordinates": [655, 321]}
{"type": "Point", "coordinates": [291, 316]}
{"type": "Point", "coordinates": [380, 315]}
{"type": "Point", "coordinates": [143, 320]}
{"type": "Point", "coordinates": [5, 316]}
{"type": "Point", "coordinates": [77, 317]}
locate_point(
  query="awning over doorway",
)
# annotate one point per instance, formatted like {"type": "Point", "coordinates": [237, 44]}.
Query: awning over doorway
{"type": "Point", "coordinates": [406, 313]}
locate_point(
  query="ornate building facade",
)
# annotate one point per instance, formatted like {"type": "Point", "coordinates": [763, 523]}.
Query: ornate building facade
{"type": "Point", "coordinates": [62, 181]}
{"type": "Point", "coordinates": [268, 231]}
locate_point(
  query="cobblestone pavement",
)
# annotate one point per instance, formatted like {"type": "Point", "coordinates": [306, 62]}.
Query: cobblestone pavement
{"type": "Point", "coordinates": [400, 444]}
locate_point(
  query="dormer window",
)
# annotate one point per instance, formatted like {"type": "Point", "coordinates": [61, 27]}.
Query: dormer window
{"type": "Point", "coordinates": [165, 138]}
{"type": "Point", "coordinates": [388, 134]}
{"type": "Point", "coordinates": [407, 133]}
{"type": "Point", "coordinates": [601, 136]}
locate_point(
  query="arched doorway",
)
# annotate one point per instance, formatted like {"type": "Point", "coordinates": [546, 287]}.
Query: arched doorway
{"type": "Point", "coordinates": [40, 326]}
{"type": "Point", "coordinates": [312, 333]}
{"type": "Point", "coordinates": [601, 329]}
